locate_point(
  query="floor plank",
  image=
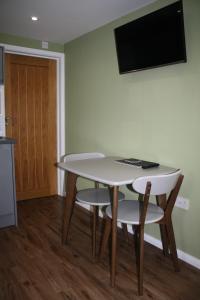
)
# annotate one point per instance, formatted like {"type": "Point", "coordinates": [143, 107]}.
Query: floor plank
{"type": "Point", "coordinates": [35, 266]}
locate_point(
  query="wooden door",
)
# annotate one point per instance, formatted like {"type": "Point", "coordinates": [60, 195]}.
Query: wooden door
{"type": "Point", "coordinates": [30, 100]}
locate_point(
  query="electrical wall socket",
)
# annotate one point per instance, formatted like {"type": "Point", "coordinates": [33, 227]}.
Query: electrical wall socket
{"type": "Point", "coordinates": [182, 202]}
{"type": "Point", "coordinates": [45, 45]}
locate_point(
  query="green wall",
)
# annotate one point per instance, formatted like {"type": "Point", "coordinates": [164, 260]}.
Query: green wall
{"type": "Point", "coordinates": [152, 114]}
{"type": "Point", "coordinates": [30, 43]}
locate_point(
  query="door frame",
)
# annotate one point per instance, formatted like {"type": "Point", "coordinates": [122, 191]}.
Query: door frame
{"type": "Point", "coordinates": [60, 97]}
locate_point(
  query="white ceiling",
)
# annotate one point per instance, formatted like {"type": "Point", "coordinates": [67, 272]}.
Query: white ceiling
{"type": "Point", "coordinates": [61, 20]}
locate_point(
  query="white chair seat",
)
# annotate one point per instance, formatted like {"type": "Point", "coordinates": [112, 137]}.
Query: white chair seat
{"type": "Point", "coordinates": [97, 197]}
{"type": "Point", "coordinates": [129, 212]}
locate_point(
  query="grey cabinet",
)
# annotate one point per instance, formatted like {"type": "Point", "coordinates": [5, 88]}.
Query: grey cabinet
{"type": "Point", "coordinates": [8, 211]}
{"type": "Point", "coordinates": [1, 65]}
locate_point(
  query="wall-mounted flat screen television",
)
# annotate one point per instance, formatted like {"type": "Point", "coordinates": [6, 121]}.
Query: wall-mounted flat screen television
{"type": "Point", "coordinates": [154, 40]}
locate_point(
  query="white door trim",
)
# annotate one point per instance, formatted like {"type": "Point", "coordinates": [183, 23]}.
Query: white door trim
{"type": "Point", "coordinates": [60, 59]}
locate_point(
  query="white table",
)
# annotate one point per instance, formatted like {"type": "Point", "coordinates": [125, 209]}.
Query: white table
{"type": "Point", "coordinates": [108, 171]}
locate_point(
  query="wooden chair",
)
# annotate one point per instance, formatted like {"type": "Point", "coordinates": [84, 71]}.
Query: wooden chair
{"type": "Point", "coordinates": [140, 212]}
{"type": "Point", "coordinates": [95, 197]}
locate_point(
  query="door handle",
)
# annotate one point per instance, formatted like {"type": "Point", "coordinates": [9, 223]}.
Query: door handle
{"type": "Point", "coordinates": [7, 118]}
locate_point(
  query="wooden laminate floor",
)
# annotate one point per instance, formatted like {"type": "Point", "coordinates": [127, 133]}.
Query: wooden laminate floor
{"type": "Point", "coordinates": [35, 266]}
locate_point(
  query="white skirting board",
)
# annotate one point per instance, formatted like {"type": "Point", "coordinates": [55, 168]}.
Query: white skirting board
{"type": "Point", "coordinates": [152, 240]}
{"type": "Point", "coordinates": [182, 255]}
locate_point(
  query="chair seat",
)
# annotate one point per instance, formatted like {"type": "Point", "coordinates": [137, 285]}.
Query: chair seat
{"type": "Point", "coordinates": [129, 212]}
{"type": "Point", "coordinates": [98, 197]}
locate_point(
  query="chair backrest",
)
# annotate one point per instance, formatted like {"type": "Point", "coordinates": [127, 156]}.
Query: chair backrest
{"type": "Point", "coordinates": [81, 156]}
{"type": "Point", "coordinates": [160, 184]}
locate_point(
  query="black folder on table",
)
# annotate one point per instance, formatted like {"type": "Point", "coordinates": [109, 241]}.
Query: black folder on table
{"type": "Point", "coordinates": [138, 163]}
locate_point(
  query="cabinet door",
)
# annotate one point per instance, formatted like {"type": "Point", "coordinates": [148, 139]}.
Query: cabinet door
{"type": "Point", "coordinates": [6, 180]}
{"type": "Point", "coordinates": [1, 65]}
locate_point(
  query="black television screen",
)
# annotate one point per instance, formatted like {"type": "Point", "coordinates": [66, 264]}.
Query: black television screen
{"type": "Point", "coordinates": [154, 40]}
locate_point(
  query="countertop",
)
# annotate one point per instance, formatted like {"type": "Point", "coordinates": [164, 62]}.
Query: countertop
{"type": "Point", "coordinates": [6, 140]}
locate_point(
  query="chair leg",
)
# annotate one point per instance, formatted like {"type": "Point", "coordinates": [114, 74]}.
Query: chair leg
{"type": "Point", "coordinates": [161, 201]}
{"type": "Point", "coordinates": [164, 239]}
{"type": "Point", "coordinates": [105, 237]}
{"type": "Point", "coordinates": [140, 260]}
{"type": "Point", "coordinates": [172, 245]}
{"type": "Point", "coordinates": [94, 229]}
{"type": "Point", "coordinates": [125, 232]}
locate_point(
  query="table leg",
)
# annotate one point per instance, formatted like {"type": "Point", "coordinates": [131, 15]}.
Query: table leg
{"type": "Point", "coordinates": [114, 234]}
{"type": "Point", "coordinates": [68, 204]}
